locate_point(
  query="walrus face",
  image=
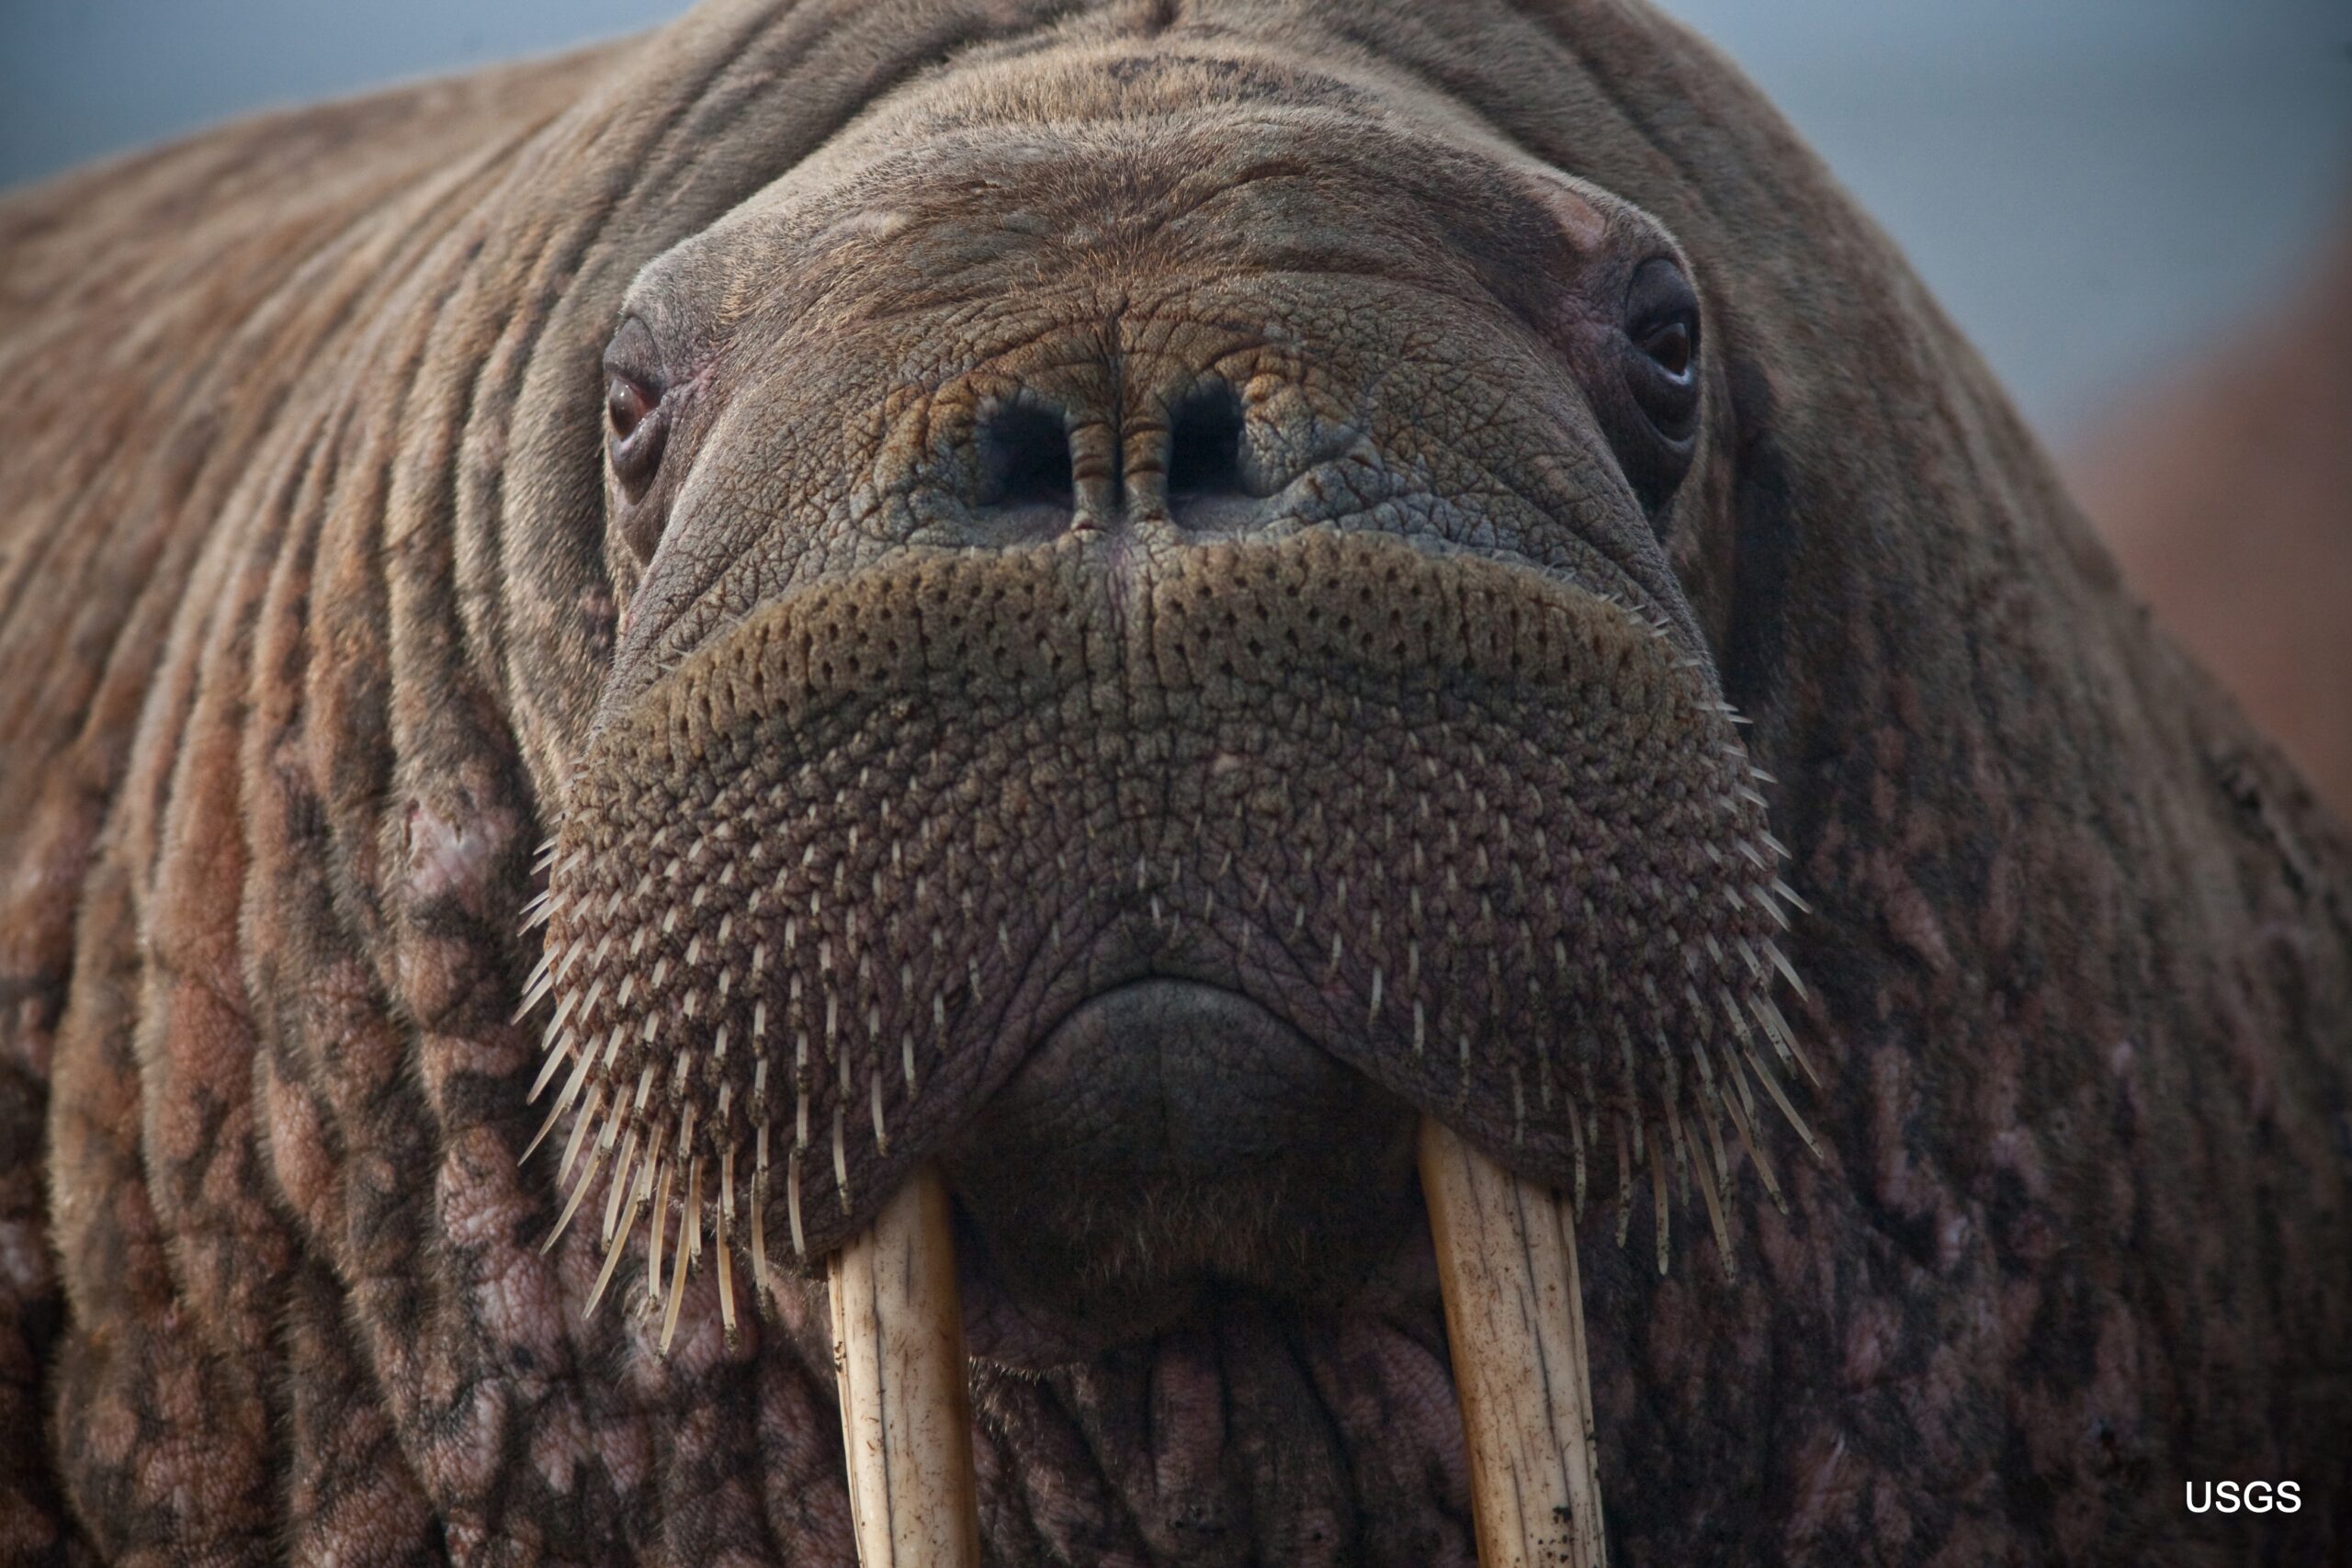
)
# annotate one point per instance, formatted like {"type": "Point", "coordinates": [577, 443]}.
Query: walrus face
{"type": "Point", "coordinates": [1150, 667]}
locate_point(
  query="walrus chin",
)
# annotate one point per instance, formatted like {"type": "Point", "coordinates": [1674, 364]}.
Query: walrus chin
{"type": "Point", "coordinates": [820, 891]}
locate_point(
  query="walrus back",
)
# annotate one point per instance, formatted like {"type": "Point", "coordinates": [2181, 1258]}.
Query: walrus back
{"type": "Point", "coordinates": [157, 313]}
{"type": "Point", "coordinates": [164, 303]}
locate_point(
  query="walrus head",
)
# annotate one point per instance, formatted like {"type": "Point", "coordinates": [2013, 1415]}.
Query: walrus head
{"type": "Point", "coordinates": [1151, 664]}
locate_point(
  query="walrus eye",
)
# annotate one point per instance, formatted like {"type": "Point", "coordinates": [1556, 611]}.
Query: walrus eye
{"type": "Point", "coordinates": [1658, 360]}
{"type": "Point", "coordinates": [1670, 346]}
{"type": "Point", "coordinates": [632, 409]}
{"type": "Point", "coordinates": [627, 403]}
{"type": "Point", "coordinates": [1662, 324]}
{"type": "Point", "coordinates": [635, 425]}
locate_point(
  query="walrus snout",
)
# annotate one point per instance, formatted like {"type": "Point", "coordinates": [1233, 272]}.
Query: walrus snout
{"type": "Point", "coordinates": [1485, 837]}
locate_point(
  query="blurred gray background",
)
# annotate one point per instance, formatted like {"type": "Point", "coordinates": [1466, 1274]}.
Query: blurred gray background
{"type": "Point", "coordinates": [2093, 187]}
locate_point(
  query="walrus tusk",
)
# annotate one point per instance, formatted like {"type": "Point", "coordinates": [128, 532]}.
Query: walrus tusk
{"type": "Point", "coordinates": [1514, 1315]}
{"type": "Point", "coordinates": [906, 1405]}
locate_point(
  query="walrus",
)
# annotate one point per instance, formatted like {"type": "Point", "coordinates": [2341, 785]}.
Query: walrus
{"type": "Point", "coordinates": [996, 696]}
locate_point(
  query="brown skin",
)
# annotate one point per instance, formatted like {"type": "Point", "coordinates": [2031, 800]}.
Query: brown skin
{"type": "Point", "coordinates": [331, 606]}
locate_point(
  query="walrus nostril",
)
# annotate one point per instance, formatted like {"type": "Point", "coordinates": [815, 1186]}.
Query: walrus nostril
{"type": "Point", "coordinates": [1205, 456]}
{"type": "Point", "coordinates": [1025, 466]}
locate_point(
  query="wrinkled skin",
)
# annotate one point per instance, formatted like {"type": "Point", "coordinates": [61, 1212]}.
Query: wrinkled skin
{"type": "Point", "coordinates": [1371, 629]}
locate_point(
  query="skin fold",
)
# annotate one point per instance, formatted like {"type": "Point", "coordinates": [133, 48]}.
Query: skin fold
{"type": "Point", "coordinates": [1143, 495]}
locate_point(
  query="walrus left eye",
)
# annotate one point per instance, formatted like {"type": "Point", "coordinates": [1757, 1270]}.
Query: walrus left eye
{"type": "Point", "coordinates": [1670, 347]}
{"type": "Point", "coordinates": [1659, 369]}
{"type": "Point", "coordinates": [1662, 325]}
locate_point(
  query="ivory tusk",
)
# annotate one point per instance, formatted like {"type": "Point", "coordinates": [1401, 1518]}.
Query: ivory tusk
{"type": "Point", "coordinates": [906, 1402]}
{"type": "Point", "coordinates": [1514, 1316]}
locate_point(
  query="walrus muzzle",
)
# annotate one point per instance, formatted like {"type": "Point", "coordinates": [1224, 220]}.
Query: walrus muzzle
{"type": "Point", "coordinates": [1483, 835]}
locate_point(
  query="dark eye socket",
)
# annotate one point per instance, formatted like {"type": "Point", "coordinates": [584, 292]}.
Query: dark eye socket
{"type": "Point", "coordinates": [1653, 409]}
{"type": "Point", "coordinates": [1662, 328]}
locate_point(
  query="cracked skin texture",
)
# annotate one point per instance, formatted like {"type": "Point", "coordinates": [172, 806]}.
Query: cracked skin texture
{"type": "Point", "coordinates": [321, 612]}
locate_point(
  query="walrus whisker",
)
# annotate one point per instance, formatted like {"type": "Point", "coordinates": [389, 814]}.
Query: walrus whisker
{"type": "Point", "coordinates": [580, 1127]}
{"type": "Point", "coordinates": [1631, 1086]}
{"type": "Point", "coordinates": [547, 1125]}
{"type": "Point", "coordinates": [1710, 1116]}
{"type": "Point", "coordinates": [555, 1025]}
{"type": "Point", "coordinates": [792, 1201]}
{"type": "Point", "coordinates": [548, 1070]}
{"type": "Point", "coordinates": [653, 1247]}
{"type": "Point", "coordinates": [689, 1224]}
{"type": "Point", "coordinates": [1732, 1073]}
{"type": "Point", "coordinates": [1675, 1135]}
{"type": "Point", "coordinates": [1714, 1201]}
{"type": "Point", "coordinates": [1785, 1037]}
{"type": "Point", "coordinates": [571, 1204]}
{"type": "Point", "coordinates": [1780, 1098]}
{"type": "Point", "coordinates": [615, 1246]}
{"type": "Point", "coordinates": [1771, 1026]}
{"type": "Point", "coordinates": [535, 990]}
{"type": "Point", "coordinates": [618, 1192]}
{"type": "Point", "coordinates": [720, 1244]}
{"type": "Point", "coordinates": [1788, 971]}
{"type": "Point", "coordinates": [1659, 1210]}
{"type": "Point", "coordinates": [1756, 1155]}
